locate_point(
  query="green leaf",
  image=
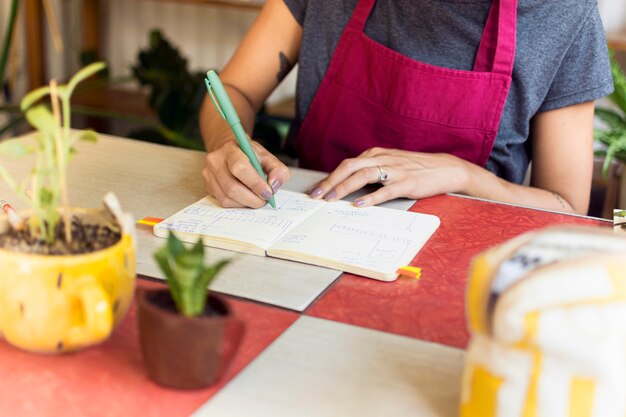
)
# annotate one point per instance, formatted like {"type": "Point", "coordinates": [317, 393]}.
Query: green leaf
{"type": "Point", "coordinates": [186, 269]}
{"type": "Point", "coordinates": [610, 152]}
{"type": "Point", "coordinates": [606, 136]}
{"type": "Point", "coordinates": [189, 306]}
{"type": "Point", "coordinates": [85, 135]}
{"type": "Point", "coordinates": [83, 74]}
{"type": "Point", "coordinates": [186, 275]}
{"type": "Point", "coordinates": [192, 258]}
{"type": "Point", "coordinates": [47, 197]}
{"type": "Point", "coordinates": [202, 283]}
{"type": "Point", "coordinates": [175, 246]}
{"type": "Point", "coordinates": [619, 83]}
{"type": "Point", "coordinates": [162, 257]}
{"type": "Point", "coordinates": [616, 149]}
{"type": "Point", "coordinates": [41, 119]}
{"type": "Point", "coordinates": [15, 148]}
{"type": "Point", "coordinates": [600, 134]}
{"type": "Point", "coordinates": [613, 119]}
{"type": "Point", "coordinates": [208, 274]}
{"type": "Point", "coordinates": [34, 96]}
{"type": "Point", "coordinates": [8, 37]}
{"type": "Point", "coordinates": [619, 141]}
{"type": "Point", "coordinates": [7, 178]}
{"type": "Point", "coordinates": [88, 136]}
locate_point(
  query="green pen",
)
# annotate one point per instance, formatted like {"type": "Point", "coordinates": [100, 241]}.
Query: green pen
{"type": "Point", "coordinates": [227, 111]}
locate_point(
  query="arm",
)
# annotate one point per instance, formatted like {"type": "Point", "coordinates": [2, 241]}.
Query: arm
{"type": "Point", "coordinates": [561, 174]}
{"type": "Point", "coordinates": [264, 57]}
{"type": "Point", "coordinates": [563, 156]}
{"type": "Point", "coordinates": [562, 164]}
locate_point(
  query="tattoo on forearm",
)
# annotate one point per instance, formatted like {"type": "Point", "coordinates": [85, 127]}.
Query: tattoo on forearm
{"type": "Point", "coordinates": [285, 67]}
{"type": "Point", "coordinates": [558, 197]}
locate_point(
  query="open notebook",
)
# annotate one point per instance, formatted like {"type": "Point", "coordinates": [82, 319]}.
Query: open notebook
{"type": "Point", "coordinates": [373, 242]}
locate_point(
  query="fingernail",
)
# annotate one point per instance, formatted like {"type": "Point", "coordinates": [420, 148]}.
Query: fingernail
{"type": "Point", "coordinates": [359, 202]}
{"type": "Point", "coordinates": [266, 195]}
{"type": "Point", "coordinates": [276, 185]}
{"type": "Point", "coordinates": [316, 192]}
{"type": "Point", "coordinates": [330, 195]}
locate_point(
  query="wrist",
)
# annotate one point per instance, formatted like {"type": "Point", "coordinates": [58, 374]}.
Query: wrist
{"type": "Point", "coordinates": [219, 139]}
{"type": "Point", "coordinates": [464, 179]}
{"type": "Point", "coordinates": [477, 181]}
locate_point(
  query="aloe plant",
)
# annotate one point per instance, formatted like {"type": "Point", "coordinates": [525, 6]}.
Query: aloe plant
{"type": "Point", "coordinates": [614, 137]}
{"type": "Point", "coordinates": [186, 274]}
{"type": "Point", "coordinates": [45, 189]}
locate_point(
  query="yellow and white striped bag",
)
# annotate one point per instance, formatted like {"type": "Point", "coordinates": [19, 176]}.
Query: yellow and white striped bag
{"type": "Point", "coordinates": [547, 313]}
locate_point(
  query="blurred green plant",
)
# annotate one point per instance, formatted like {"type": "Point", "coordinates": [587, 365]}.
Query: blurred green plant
{"type": "Point", "coordinates": [187, 276]}
{"type": "Point", "coordinates": [614, 136]}
{"type": "Point", "coordinates": [4, 57]}
{"type": "Point", "coordinates": [176, 95]}
{"type": "Point", "coordinates": [54, 147]}
{"type": "Point", "coordinates": [4, 53]}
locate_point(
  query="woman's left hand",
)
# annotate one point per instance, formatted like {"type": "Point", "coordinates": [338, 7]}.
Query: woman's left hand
{"type": "Point", "coordinates": [411, 175]}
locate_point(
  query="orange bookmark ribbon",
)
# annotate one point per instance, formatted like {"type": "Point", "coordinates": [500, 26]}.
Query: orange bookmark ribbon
{"type": "Point", "coordinates": [410, 272]}
{"type": "Point", "coordinates": [149, 221]}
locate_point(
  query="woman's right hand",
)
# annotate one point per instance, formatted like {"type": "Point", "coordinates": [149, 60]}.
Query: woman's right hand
{"type": "Point", "coordinates": [267, 53]}
{"type": "Point", "coordinates": [232, 180]}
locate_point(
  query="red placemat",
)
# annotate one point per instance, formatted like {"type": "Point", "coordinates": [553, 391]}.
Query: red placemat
{"type": "Point", "coordinates": [109, 379]}
{"type": "Point", "coordinates": [433, 307]}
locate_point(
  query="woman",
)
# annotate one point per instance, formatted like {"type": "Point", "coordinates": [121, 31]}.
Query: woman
{"type": "Point", "coordinates": [425, 97]}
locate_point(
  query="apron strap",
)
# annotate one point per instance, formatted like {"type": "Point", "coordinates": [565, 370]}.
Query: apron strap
{"type": "Point", "coordinates": [496, 52]}
{"type": "Point", "coordinates": [360, 15]}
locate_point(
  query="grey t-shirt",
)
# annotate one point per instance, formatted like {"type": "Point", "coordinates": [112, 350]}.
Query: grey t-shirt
{"type": "Point", "coordinates": [561, 56]}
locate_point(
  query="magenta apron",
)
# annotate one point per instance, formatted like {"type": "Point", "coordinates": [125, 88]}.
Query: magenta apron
{"type": "Point", "coordinates": [373, 96]}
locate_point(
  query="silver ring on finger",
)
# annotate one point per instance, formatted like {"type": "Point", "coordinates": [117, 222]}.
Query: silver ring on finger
{"type": "Point", "coordinates": [382, 175]}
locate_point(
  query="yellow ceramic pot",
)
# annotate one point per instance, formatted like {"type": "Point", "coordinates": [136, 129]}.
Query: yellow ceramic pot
{"type": "Point", "coordinates": [51, 304]}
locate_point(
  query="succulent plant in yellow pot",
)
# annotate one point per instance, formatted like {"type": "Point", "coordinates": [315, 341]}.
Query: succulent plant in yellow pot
{"type": "Point", "coordinates": [67, 274]}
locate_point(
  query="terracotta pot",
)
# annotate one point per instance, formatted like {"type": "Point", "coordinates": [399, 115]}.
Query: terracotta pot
{"type": "Point", "coordinates": [186, 352]}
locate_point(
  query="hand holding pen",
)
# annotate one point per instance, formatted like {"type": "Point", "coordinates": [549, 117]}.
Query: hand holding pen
{"type": "Point", "coordinates": [229, 160]}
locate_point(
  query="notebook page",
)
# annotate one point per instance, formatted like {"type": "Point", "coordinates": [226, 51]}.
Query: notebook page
{"type": "Point", "coordinates": [372, 241]}
{"type": "Point", "coordinates": [254, 227]}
